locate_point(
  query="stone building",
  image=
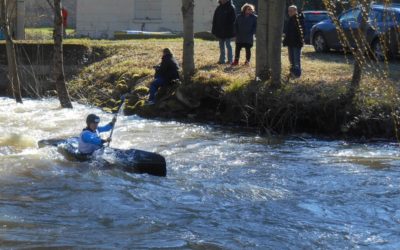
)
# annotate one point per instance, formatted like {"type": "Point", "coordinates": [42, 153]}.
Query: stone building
{"type": "Point", "coordinates": [101, 18]}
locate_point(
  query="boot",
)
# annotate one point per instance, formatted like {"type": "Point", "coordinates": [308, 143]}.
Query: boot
{"type": "Point", "coordinates": [235, 63]}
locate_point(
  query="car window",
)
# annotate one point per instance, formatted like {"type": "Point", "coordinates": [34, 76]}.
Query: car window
{"type": "Point", "coordinates": [379, 16]}
{"type": "Point", "coordinates": [316, 17]}
{"type": "Point", "coordinates": [350, 16]}
{"type": "Point", "coordinates": [375, 16]}
{"type": "Point", "coordinates": [391, 17]}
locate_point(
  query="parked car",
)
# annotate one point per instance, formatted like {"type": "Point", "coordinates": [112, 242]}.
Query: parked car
{"type": "Point", "coordinates": [383, 32]}
{"type": "Point", "coordinates": [2, 36]}
{"type": "Point", "coordinates": [310, 19]}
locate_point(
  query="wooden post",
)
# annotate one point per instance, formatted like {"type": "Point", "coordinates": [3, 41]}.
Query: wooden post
{"type": "Point", "coordinates": [188, 39]}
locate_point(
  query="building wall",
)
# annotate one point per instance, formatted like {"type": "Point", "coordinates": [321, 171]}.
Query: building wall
{"type": "Point", "coordinates": [101, 18]}
{"type": "Point", "coordinates": [38, 13]}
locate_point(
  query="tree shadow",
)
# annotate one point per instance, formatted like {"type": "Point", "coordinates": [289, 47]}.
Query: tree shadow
{"type": "Point", "coordinates": [209, 67]}
{"type": "Point", "coordinates": [227, 68]}
{"type": "Point", "coordinates": [340, 56]}
{"type": "Point", "coordinates": [330, 56]}
{"type": "Point", "coordinates": [391, 68]}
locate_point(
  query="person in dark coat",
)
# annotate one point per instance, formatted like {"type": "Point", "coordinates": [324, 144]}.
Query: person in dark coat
{"type": "Point", "coordinates": [166, 72]}
{"type": "Point", "coordinates": [245, 26]}
{"type": "Point", "coordinates": [223, 28]}
{"type": "Point", "coordinates": [294, 40]}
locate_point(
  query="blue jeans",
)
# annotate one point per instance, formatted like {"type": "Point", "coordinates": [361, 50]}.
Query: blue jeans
{"type": "Point", "coordinates": [295, 60]}
{"type": "Point", "coordinates": [155, 85]}
{"type": "Point", "coordinates": [222, 44]}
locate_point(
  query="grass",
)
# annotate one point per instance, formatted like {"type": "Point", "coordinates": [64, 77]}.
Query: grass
{"type": "Point", "coordinates": [129, 57]}
{"type": "Point", "coordinates": [44, 33]}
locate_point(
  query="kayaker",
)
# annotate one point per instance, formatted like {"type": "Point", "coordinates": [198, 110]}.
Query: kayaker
{"type": "Point", "coordinates": [89, 139]}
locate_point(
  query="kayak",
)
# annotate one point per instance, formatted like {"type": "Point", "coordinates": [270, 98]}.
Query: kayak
{"type": "Point", "coordinates": [130, 160]}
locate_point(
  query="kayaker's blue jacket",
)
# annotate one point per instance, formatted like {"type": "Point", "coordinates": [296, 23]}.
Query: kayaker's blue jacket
{"type": "Point", "coordinates": [90, 141]}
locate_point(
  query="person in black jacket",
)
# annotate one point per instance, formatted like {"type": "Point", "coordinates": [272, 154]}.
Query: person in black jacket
{"type": "Point", "coordinates": [245, 26]}
{"type": "Point", "coordinates": [223, 28]}
{"type": "Point", "coordinates": [294, 40]}
{"type": "Point", "coordinates": [166, 72]}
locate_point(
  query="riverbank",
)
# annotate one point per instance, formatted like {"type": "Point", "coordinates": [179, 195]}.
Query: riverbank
{"type": "Point", "coordinates": [317, 103]}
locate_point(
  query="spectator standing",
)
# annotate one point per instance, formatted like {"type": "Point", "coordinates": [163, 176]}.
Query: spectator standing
{"type": "Point", "coordinates": [64, 14]}
{"type": "Point", "coordinates": [223, 28]}
{"type": "Point", "coordinates": [245, 27]}
{"type": "Point", "coordinates": [294, 40]}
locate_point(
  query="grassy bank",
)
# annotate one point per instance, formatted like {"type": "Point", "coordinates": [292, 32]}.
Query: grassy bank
{"type": "Point", "coordinates": [316, 103]}
{"type": "Point", "coordinates": [44, 33]}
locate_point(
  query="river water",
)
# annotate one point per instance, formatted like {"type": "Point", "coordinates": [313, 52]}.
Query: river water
{"type": "Point", "coordinates": [224, 189]}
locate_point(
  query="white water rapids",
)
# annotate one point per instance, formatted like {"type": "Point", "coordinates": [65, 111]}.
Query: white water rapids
{"type": "Point", "coordinates": [225, 189]}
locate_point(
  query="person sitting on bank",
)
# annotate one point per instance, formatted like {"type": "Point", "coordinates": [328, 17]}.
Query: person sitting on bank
{"type": "Point", "coordinates": [89, 139]}
{"type": "Point", "coordinates": [166, 72]}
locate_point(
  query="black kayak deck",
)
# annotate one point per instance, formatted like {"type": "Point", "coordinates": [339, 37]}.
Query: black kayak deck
{"type": "Point", "coordinates": [130, 160]}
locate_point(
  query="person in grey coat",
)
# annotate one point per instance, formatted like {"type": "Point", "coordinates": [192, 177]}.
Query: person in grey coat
{"type": "Point", "coordinates": [245, 26]}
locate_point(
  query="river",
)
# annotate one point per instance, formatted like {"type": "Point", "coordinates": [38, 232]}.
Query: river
{"type": "Point", "coordinates": [224, 189]}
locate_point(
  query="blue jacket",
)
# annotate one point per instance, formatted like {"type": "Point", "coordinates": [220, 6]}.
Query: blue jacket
{"type": "Point", "coordinates": [90, 141]}
{"type": "Point", "coordinates": [245, 27]}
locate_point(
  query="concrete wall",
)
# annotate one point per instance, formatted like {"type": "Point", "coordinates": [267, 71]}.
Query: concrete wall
{"type": "Point", "coordinates": [39, 13]}
{"type": "Point", "coordinates": [35, 64]}
{"type": "Point", "coordinates": [101, 18]}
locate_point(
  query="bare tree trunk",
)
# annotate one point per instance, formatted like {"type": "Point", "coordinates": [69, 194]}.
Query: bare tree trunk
{"type": "Point", "coordinates": [276, 15]}
{"type": "Point", "coordinates": [360, 52]}
{"type": "Point", "coordinates": [262, 63]}
{"type": "Point", "coordinates": [11, 54]}
{"type": "Point", "coordinates": [356, 79]}
{"type": "Point", "coordinates": [269, 40]}
{"type": "Point", "coordinates": [59, 75]}
{"type": "Point", "coordinates": [188, 39]}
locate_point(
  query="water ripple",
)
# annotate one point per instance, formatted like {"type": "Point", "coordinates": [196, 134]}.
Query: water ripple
{"type": "Point", "coordinates": [224, 190]}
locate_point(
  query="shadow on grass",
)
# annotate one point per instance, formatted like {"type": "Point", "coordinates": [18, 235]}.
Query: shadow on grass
{"type": "Point", "coordinates": [227, 68]}
{"type": "Point", "coordinates": [391, 67]}
{"type": "Point", "coordinates": [330, 56]}
{"type": "Point", "coordinates": [209, 67]}
{"type": "Point", "coordinates": [339, 56]}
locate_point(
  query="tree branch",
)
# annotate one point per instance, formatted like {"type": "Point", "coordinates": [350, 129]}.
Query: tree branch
{"type": "Point", "coordinates": [51, 5]}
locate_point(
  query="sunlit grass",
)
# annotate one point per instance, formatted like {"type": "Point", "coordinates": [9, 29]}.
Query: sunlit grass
{"type": "Point", "coordinates": [44, 33]}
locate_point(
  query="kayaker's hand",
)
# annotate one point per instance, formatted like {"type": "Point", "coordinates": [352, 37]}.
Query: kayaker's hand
{"type": "Point", "coordinates": [108, 139]}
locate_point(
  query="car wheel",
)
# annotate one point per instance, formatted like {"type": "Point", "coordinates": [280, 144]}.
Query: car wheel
{"type": "Point", "coordinates": [319, 43]}
{"type": "Point", "coordinates": [379, 52]}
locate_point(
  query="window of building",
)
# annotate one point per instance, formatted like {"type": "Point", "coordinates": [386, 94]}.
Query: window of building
{"type": "Point", "coordinates": [148, 10]}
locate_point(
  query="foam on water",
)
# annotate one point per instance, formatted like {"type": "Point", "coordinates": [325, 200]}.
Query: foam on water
{"type": "Point", "coordinates": [225, 189]}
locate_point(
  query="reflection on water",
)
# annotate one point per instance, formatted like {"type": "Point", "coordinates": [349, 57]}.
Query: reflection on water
{"type": "Point", "coordinates": [224, 189]}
